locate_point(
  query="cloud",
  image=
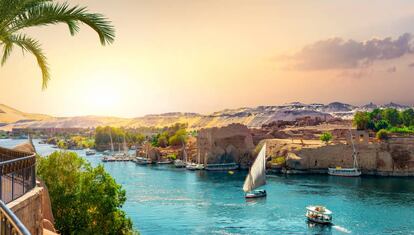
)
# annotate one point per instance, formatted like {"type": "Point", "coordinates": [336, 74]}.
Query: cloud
{"type": "Point", "coordinates": [411, 65]}
{"type": "Point", "coordinates": [337, 53]}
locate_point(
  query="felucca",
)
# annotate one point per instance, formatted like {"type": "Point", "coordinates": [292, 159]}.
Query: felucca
{"type": "Point", "coordinates": [349, 172]}
{"type": "Point", "coordinates": [256, 176]}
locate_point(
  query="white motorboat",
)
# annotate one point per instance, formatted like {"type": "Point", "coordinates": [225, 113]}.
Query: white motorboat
{"type": "Point", "coordinates": [179, 163]}
{"type": "Point", "coordinates": [89, 152]}
{"type": "Point", "coordinates": [319, 214]}
{"type": "Point", "coordinates": [194, 166]}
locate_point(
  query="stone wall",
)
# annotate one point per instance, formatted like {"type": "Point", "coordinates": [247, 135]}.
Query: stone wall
{"type": "Point", "coordinates": [28, 209]}
{"type": "Point", "coordinates": [232, 143]}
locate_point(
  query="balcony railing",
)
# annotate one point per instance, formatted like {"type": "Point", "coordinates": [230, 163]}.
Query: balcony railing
{"type": "Point", "coordinates": [17, 172]}
{"type": "Point", "coordinates": [17, 176]}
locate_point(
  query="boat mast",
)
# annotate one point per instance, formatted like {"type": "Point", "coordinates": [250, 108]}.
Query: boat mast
{"type": "Point", "coordinates": [112, 143]}
{"type": "Point", "coordinates": [354, 153]}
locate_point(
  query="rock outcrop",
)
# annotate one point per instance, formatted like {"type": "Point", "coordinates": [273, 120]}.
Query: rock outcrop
{"type": "Point", "coordinates": [232, 143]}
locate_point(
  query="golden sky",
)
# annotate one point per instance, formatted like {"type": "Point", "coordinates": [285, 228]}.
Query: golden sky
{"type": "Point", "coordinates": [207, 55]}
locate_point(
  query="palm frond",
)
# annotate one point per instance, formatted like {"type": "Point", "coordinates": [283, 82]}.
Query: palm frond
{"type": "Point", "coordinates": [9, 9]}
{"type": "Point", "coordinates": [53, 13]}
{"type": "Point", "coordinates": [31, 45]}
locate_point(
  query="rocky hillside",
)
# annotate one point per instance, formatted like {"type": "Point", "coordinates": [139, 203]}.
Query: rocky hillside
{"type": "Point", "coordinates": [252, 117]}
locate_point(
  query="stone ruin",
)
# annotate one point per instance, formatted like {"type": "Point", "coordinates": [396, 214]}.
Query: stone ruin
{"type": "Point", "coordinates": [232, 143]}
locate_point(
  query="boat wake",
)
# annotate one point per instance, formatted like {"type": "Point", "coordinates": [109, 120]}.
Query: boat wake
{"type": "Point", "coordinates": [341, 229]}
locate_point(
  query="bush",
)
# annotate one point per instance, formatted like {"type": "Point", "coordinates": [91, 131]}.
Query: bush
{"type": "Point", "coordinates": [279, 160]}
{"type": "Point", "coordinates": [361, 120]}
{"type": "Point", "coordinates": [172, 156]}
{"type": "Point", "coordinates": [85, 200]}
{"type": "Point", "coordinates": [382, 134]}
{"type": "Point", "coordinates": [326, 137]}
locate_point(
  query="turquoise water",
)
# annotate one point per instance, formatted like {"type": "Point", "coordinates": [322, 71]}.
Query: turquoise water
{"type": "Point", "coordinates": [165, 200]}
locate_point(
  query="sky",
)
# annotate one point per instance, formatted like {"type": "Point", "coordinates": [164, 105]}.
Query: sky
{"type": "Point", "coordinates": [208, 55]}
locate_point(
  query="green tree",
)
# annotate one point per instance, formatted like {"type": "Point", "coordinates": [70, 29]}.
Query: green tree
{"type": "Point", "coordinates": [381, 124]}
{"type": "Point", "coordinates": [361, 120]}
{"type": "Point", "coordinates": [179, 138]}
{"type": "Point", "coordinates": [326, 137]}
{"type": "Point", "coordinates": [407, 117]}
{"type": "Point", "coordinates": [85, 200]}
{"type": "Point", "coordinates": [16, 16]}
{"type": "Point", "coordinates": [392, 116]}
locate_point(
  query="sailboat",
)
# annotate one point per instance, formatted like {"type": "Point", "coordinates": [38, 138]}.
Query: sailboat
{"type": "Point", "coordinates": [107, 158]}
{"type": "Point", "coordinates": [178, 163]}
{"type": "Point", "coordinates": [144, 160]}
{"type": "Point", "coordinates": [350, 172]}
{"type": "Point", "coordinates": [256, 176]}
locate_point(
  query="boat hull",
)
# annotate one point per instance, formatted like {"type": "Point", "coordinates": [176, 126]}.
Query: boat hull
{"type": "Point", "coordinates": [315, 220]}
{"type": "Point", "coordinates": [256, 194]}
{"type": "Point", "coordinates": [344, 172]}
{"type": "Point", "coordinates": [221, 167]}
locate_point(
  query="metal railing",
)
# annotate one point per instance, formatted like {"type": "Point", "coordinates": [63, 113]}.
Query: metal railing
{"type": "Point", "coordinates": [9, 223]}
{"type": "Point", "coordinates": [17, 174]}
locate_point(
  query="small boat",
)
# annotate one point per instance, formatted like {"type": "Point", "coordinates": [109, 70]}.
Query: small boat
{"type": "Point", "coordinates": [90, 152]}
{"type": "Point", "coordinates": [142, 161]}
{"type": "Point", "coordinates": [319, 214]}
{"type": "Point", "coordinates": [165, 162]}
{"type": "Point", "coordinates": [179, 163]}
{"type": "Point", "coordinates": [194, 166]}
{"type": "Point", "coordinates": [347, 172]}
{"type": "Point", "coordinates": [222, 167]}
{"type": "Point", "coordinates": [256, 176]}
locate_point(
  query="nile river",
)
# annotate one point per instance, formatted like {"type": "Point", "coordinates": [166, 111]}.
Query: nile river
{"type": "Point", "coordinates": [165, 200]}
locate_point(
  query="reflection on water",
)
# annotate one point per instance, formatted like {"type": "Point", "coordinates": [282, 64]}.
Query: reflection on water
{"type": "Point", "coordinates": [166, 200]}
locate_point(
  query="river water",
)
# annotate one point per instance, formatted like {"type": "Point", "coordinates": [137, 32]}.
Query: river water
{"type": "Point", "coordinates": [165, 200]}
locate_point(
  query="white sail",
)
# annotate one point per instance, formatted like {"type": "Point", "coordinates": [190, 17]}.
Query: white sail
{"type": "Point", "coordinates": [257, 173]}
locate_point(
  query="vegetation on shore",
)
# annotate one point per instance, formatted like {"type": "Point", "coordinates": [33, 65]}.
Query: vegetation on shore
{"type": "Point", "coordinates": [174, 135]}
{"type": "Point", "coordinates": [103, 136]}
{"type": "Point", "coordinates": [85, 199]}
{"type": "Point", "coordinates": [390, 120]}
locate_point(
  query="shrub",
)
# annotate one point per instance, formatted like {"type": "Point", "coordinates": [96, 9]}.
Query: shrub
{"type": "Point", "coordinates": [382, 134]}
{"type": "Point", "coordinates": [326, 137]}
{"type": "Point", "coordinates": [279, 160]}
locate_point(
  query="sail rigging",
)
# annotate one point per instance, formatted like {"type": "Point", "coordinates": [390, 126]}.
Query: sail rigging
{"type": "Point", "coordinates": [257, 173]}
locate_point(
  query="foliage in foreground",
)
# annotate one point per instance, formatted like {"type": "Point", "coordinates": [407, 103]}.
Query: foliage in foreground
{"type": "Point", "coordinates": [85, 200]}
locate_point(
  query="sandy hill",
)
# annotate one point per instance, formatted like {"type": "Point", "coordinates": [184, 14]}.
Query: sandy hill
{"type": "Point", "coordinates": [11, 115]}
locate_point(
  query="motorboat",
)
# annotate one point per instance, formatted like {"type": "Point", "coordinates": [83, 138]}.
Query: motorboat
{"type": "Point", "coordinates": [179, 163]}
{"type": "Point", "coordinates": [89, 152]}
{"type": "Point", "coordinates": [194, 166]}
{"type": "Point", "coordinates": [319, 214]}
{"type": "Point", "coordinates": [256, 194]}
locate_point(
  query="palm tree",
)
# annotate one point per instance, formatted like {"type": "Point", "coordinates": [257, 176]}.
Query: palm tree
{"type": "Point", "coordinates": [17, 15]}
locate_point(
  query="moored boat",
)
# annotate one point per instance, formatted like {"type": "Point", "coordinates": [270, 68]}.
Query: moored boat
{"type": "Point", "coordinates": [222, 167]}
{"type": "Point", "coordinates": [179, 163]}
{"type": "Point", "coordinates": [347, 172]}
{"type": "Point", "coordinates": [256, 176]}
{"type": "Point", "coordinates": [319, 214]}
{"type": "Point", "coordinates": [194, 166]}
{"type": "Point", "coordinates": [89, 152]}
